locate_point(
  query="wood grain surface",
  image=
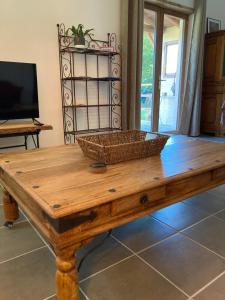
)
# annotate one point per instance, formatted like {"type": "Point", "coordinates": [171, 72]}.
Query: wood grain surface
{"type": "Point", "coordinates": [12, 128]}
{"type": "Point", "coordinates": [59, 181]}
{"type": "Point", "coordinates": [70, 205]}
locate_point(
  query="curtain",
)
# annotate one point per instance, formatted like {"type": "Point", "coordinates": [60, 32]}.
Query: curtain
{"type": "Point", "coordinates": [132, 19]}
{"type": "Point", "coordinates": [191, 106]}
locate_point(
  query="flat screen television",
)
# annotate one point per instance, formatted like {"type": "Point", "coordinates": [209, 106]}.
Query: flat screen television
{"type": "Point", "coordinates": [18, 91]}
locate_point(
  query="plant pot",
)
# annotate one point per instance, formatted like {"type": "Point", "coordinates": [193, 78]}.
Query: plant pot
{"type": "Point", "coordinates": [79, 42]}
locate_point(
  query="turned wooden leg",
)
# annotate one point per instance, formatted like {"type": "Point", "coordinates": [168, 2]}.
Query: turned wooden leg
{"type": "Point", "coordinates": [67, 286]}
{"type": "Point", "coordinates": [11, 210]}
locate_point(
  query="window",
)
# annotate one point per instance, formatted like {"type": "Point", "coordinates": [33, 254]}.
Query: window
{"type": "Point", "coordinates": [170, 59]}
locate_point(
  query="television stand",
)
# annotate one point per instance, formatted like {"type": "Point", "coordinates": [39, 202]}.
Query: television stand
{"type": "Point", "coordinates": [24, 129]}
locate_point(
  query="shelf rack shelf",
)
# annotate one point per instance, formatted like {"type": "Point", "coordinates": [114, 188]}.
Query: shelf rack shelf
{"type": "Point", "coordinates": [89, 51]}
{"type": "Point", "coordinates": [106, 129]}
{"type": "Point", "coordinates": [82, 78]}
{"type": "Point", "coordinates": [91, 105]}
{"type": "Point", "coordinates": [101, 108]}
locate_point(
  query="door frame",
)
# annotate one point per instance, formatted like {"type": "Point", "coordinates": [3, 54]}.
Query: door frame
{"type": "Point", "coordinates": [158, 48]}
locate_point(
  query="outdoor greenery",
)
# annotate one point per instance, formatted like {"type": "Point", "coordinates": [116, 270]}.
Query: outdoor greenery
{"type": "Point", "coordinates": [147, 65]}
{"type": "Point", "coordinates": [147, 80]}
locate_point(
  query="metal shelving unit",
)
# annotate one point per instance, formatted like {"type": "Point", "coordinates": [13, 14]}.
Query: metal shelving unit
{"type": "Point", "coordinates": [90, 102]}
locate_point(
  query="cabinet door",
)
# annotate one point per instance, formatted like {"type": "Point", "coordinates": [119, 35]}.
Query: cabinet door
{"type": "Point", "coordinates": [223, 58]}
{"type": "Point", "coordinates": [220, 59]}
{"type": "Point", "coordinates": [210, 64]}
{"type": "Point", "coordinates": [214, 61]}
{"type": "Point", "coordinates": [211, 113]}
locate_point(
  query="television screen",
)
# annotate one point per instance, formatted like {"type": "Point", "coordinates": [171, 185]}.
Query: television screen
{"type": "Point", "coordinates": [18, 91]}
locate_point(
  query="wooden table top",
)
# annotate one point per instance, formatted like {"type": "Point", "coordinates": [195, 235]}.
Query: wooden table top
{"type": "Point", "coordinates": [60, 175]}
{"type": "Point", "coordinates": [10, 128]}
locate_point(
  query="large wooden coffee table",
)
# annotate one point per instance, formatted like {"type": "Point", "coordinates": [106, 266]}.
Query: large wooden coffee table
{"type": "Point", "coordinates": [71, 205]}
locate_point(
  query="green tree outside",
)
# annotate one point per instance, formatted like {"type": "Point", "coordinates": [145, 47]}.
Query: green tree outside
{"type": "Point", "coordinates": [147, 65]}
{"type": "Point", "coordinates": [147, 78]}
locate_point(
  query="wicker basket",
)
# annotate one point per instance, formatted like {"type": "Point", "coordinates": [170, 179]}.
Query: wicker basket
{"type": "Point", "coordinates": [115, 147]}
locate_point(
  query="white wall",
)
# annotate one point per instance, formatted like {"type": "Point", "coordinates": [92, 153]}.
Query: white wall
{"type": "Point", "coordinates": [216, 10]}
{"type": "Point", "coordinates": [189, 3]}
{"type": "Point", "coordinates": [29, 34]}
{"type": "Point", "coordinates": [186, 3]}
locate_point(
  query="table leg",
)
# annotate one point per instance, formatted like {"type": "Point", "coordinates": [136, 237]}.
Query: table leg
{"type": "Point", "coordinates": [38, 146]}
{"type": "Point", "coordinates": [11, 210]}
{"type": "Point", "coordinates": [67, 285]}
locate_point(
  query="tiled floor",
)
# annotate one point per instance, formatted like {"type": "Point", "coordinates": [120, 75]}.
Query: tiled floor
{"type": "Point", "coordinates": [177, 253]}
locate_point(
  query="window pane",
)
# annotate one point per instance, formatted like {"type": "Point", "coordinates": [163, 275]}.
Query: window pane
{"type": "Point", "coordinates": [171, 59]}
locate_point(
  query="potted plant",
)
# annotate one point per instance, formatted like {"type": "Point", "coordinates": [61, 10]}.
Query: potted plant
{"type": "Point", "coordinates": [79, 34]}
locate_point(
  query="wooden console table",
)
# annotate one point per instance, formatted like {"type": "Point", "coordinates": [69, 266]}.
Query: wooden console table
{"type": "Point", "coordinates": [22, 129]}
{"type": "Point", "coordinates": [71, 205]}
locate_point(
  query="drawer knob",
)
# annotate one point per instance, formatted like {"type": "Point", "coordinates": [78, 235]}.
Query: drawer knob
{"type": "Point", "coordinates": [144, 199]}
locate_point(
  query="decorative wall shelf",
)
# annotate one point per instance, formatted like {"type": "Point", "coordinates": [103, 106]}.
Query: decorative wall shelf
{"type": "Point", "coordinates": [90, 85]}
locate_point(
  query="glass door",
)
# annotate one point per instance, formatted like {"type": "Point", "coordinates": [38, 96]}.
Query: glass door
{"type": "Point", "coordinates": [171, 73]}
{"type": "Point", "coordinates": [162, 70]}
{"type": "Point", "coordinates": [148, 62]}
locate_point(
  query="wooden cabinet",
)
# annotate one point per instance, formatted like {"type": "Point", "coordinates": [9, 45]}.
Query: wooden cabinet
{"type": "Point", "coordinates": [213, 83]}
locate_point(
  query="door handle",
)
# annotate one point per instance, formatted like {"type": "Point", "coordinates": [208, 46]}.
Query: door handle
{"type": "Point", "coordinates": [159, 83]}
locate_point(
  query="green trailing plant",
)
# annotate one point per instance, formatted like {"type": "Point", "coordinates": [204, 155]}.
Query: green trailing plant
{"type": "Point", "coordinates": [79, 34]}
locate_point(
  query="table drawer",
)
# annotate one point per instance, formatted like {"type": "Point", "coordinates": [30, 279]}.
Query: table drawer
{"type": "Point", "coordinates": [139, 200]}
{"type": "Point", "coordinates": [188, 185]}
{"type": "Point", "coordinates": [219, 173]}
